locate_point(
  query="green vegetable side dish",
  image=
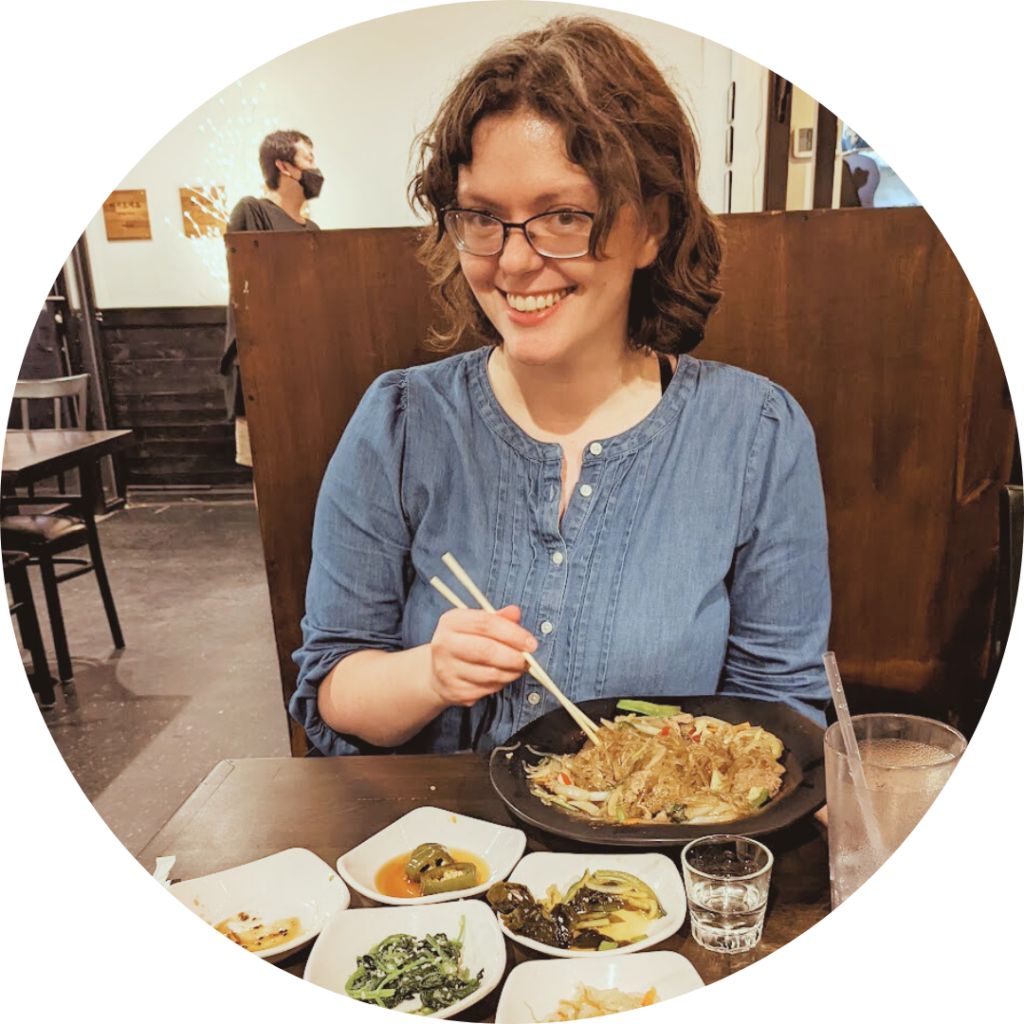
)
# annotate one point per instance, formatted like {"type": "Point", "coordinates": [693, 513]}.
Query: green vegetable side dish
{"type": "Point", "coordinates": [602, 910]}
{"type": "Point", "coordinates": [402, 967]}
{"type": "Point", "coordinates": [642, 707]}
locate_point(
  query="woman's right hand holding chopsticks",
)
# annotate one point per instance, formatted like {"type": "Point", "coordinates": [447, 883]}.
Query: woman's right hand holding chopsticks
{"type": "Point", "coordinates": [475, 653]}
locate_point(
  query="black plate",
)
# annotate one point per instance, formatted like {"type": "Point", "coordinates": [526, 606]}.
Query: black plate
{"type": "Point", "coordinates": [803, 785]}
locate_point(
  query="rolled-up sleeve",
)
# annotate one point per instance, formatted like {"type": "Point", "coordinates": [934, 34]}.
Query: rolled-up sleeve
{"type": "Point", "coordinates": [780, 595]}
{"type": "Point", "coordinates": [355, 593]}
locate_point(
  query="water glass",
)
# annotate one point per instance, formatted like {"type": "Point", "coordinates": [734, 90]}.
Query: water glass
{"type": "Point", "coordinates": [726, 881]}
{"type": "Point", "coordinates": [907, 760]}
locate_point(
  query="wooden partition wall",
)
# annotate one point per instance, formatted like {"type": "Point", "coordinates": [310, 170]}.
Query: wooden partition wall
{"type": "Point", "coordinates": [864, 315]}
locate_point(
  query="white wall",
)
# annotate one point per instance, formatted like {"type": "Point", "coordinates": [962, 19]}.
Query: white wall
{"type": "Point", "coordinates": [361, 94]}
{"type": "Point", "coordinates": [800, 183]}
{"type": "Point", "coordinates": [751, 133]}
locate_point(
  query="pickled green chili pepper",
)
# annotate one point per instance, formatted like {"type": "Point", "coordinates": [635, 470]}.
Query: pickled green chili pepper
{"type": "Point", "coordinates": [425, 857]}
{"type": "Point", "coordinates": [448, 878]}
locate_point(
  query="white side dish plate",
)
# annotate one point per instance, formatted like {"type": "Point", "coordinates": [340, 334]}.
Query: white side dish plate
{"type": "Point", "coordinates": [539, 871]}
{"type": "Point", "coordinates": [534, 989]}
{"type": "Point", "coordinates": [498, 846]}
{"type": "Point", "coordinates": [295, 883]}
{"type": "Point", "coordinates": [353, 933]}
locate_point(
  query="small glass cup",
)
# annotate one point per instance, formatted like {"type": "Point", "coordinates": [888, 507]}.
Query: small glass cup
{"type": "Point", "coordinates": [726, 881]}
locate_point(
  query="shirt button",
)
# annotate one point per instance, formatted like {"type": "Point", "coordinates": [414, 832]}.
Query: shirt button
{"type": "Point", "coordinates": [586, 490]}
{"type": "Point", "coordinates": [558, 558]}
{"type": "Point", "coordinates": [546, 627]}
{"type": "Point", "coordinates": [534, 698]}
{"type": "Point", "coordinates": [596, 448]}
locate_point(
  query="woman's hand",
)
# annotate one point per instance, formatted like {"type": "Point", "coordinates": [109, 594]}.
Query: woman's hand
{"type": "Point", "coordinates": [475, 653]}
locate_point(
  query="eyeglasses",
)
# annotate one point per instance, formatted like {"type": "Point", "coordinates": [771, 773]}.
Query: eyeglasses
{"type": "Point", "coordinates": [562, 235]}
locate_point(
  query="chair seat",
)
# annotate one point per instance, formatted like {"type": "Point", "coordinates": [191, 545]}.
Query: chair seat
{"type": "Point", "coordinates": [33, 533]}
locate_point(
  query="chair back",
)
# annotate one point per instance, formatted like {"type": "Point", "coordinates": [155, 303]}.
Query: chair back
{"type": "Point", "coordinates": [71, 393]}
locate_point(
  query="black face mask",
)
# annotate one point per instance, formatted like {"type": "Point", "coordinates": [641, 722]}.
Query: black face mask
{"type": "Point", "coordinates": [311, 182]}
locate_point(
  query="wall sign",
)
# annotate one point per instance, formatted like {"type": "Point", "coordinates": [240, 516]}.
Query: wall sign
{"type": "Point", "coordinates": [126, 215]}
{"type": "Point", "coordinates": [203, 211]}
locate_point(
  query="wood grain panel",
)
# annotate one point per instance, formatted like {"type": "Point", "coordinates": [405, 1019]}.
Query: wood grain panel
{"type": "Point", "coordinates": [124, 346]}
{"type": "Point", "coordinates": [356, 305]}
{"type": "Point", "coordinates": [867, 318]}
{"type": "Point", "coordinates": [163, 370]}
{"type": "Point", "coordinates": [193, 472]}
{"type": "Point", "coordinates": [863, 315]}
{"type": "Point", "coordinates": [200, 372]}
{"type": "Point", "coordinates": [172, 403]}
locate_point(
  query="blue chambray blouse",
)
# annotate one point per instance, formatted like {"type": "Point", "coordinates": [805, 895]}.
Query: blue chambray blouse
{"type": "Point", "coordinates": [691, 557]}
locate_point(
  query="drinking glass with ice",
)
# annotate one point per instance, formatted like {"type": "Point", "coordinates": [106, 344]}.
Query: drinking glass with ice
{"type": "Point", "coordinates": [907, 760]}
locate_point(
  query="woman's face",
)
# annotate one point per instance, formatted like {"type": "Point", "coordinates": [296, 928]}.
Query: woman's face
{"type": "Point", "coordinates": [520, 169]}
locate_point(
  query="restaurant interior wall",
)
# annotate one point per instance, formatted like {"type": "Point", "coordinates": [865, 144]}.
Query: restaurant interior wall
{"type": "Point", "coordinates": [360, 94]}
{"type": "Point", "coordinates": [800, 183]}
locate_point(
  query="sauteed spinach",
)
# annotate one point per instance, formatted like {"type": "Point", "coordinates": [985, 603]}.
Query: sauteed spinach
{"type": "Point", "coordinates": [402, 967]}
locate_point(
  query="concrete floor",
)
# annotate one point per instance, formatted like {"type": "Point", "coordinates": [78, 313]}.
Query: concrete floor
{"type": "Point", "coordinates": [197, 681]}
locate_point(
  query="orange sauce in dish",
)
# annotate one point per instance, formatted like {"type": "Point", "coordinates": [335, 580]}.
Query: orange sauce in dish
{"type": "Point", "coordinates": [260, 936]}
{"type": "Point", "coordinates": [391, 880]}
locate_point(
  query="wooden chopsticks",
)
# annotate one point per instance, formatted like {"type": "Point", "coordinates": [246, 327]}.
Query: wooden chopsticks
{"type": "Point", "coordinates": [538, 673]}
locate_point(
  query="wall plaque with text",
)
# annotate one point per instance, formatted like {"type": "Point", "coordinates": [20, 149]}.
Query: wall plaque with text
{"type": "Point", "coordinates": [126, 215]}
{"type": "Point", "coordinates": [203, 211]}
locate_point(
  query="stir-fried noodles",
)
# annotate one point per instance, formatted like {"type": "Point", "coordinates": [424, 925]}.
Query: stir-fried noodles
{"type": "Point", "coordinates": [669, 768]}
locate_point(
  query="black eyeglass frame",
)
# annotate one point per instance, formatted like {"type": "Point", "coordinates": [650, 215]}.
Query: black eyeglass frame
{"type": "Point", "coordinates": [507, 227]}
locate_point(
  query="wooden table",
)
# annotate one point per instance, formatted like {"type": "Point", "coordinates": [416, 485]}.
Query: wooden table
{"type": "Point", "coordinates": [249, 809]}
{"type": "Point", "coordinates": [32, 455]}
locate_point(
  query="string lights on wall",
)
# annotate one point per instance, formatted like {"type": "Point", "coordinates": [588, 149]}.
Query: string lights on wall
{"type": "Point", "coordinates": [232, 135]}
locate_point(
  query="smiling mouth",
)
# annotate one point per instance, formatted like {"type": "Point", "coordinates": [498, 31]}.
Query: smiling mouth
{"type": "Point", "coordinates": [534, 303]}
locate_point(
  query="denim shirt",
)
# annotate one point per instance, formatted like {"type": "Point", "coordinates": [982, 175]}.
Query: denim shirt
{"type": "Point", "coordinates": [691, 557]}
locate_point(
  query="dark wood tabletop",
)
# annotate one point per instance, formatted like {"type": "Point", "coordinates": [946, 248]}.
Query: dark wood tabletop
{"type": "Point", "coordinates": [31, 455]}
{"type": "Point", "coordinates": [247, 809]}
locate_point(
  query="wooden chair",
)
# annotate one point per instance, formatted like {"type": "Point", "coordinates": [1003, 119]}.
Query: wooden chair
{"type": "Point", "coordinates": [61, 391]}
{"type": "Point", "coordinates": [47, 536]}
{"type": "Point", "coordinates": [69, 410]}
{"type": "Point", "coordinates": [23, 607]}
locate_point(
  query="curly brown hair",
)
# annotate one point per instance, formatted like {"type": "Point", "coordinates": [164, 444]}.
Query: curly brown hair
{"type": "Point", "coordinates": [625, 127]}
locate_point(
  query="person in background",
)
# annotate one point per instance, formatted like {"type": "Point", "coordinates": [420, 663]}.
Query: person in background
{"type": "Point", "coordinates": [292, 178]}
{"type": "Point", "coordinates": [648, 523]}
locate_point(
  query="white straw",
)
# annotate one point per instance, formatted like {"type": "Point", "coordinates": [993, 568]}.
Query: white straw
{"type": "Point", "coordinates": [860, 782]}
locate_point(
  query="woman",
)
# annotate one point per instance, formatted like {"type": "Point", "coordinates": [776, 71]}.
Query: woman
{"type": "Point", "coordinates": [651, 524]}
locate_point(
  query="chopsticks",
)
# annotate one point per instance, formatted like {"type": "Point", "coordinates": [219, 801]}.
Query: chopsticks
{"type": "Point", "coordinates": [538, 673]}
